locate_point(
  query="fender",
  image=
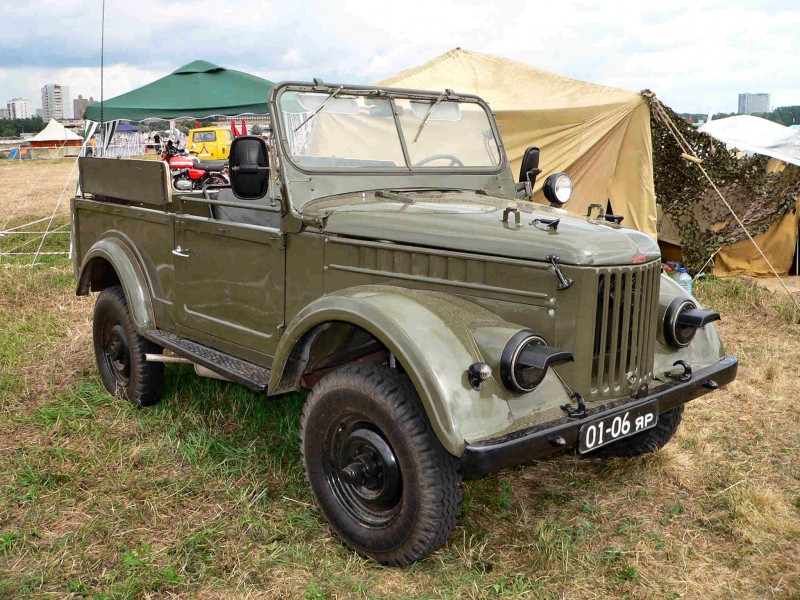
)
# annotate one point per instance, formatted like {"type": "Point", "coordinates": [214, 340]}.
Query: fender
{"type": "Point", "coordinates": [131, 277]}
{"type": "Point", "coordinates": [705, 349]}
{"type": "Point", "coordinates": [434, 337]}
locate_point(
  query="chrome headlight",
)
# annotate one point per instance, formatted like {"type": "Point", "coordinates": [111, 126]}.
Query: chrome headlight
{"type": "Point", "coordinates": [676, 334]}
{"type": "Point", "coordinates": [682, 320]}
{"type": "Point", "coordinates": [525, 360]}
{"type": "Point", "coordinates": [557, 189]}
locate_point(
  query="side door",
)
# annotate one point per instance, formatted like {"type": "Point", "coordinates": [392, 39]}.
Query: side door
{"type": "Point", "coordinates": [230, 285]}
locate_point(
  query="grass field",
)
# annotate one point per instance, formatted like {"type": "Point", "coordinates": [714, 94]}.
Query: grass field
{"type": "Point", "coordinates": [31, 190]}
{"type": "Point", "coordinates": [204, 495]}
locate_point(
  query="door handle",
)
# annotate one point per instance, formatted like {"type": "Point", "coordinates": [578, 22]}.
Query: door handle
{"type": "Point", "coordinates": [182, 252]}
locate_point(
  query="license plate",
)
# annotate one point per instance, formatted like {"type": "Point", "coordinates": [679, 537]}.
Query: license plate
{"type": "Point", "coordinates": [617, 426]}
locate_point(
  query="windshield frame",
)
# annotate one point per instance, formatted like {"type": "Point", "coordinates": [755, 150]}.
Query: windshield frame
{"type": "Point", "coordinates": [391, 94]}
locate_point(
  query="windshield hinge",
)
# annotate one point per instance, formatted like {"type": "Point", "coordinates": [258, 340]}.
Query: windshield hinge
{"type": "Point", "coordinates": [320, 107]}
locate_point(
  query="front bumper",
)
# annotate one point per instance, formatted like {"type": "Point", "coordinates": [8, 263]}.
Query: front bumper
{"type": "Point", "coordinates": [494, 454]}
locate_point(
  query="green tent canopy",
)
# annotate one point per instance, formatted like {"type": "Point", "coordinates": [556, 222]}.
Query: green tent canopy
{"type": "Point", "coordinates": [199, 89]}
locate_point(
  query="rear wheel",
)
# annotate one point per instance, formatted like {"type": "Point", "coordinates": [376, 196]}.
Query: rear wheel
{"type": "Point", "coordinates": [120, 352]}
{"type": "Point", "coordinates": [645, 442]}
{"type": "Point", "coordinates": [385, 484]}
{"type": "Point", "coordinates": [214, 180]}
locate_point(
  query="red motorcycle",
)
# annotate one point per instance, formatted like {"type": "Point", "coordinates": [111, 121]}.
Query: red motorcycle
{"type": "Point", "coordinates": [190, 174]}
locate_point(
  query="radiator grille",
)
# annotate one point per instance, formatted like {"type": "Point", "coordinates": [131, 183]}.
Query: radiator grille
{"type": "Point", "coordinates": [624, 338]}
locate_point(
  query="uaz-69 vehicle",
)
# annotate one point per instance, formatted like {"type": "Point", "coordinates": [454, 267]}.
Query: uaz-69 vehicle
{"type": "Point", "coordinates": [378, 253]}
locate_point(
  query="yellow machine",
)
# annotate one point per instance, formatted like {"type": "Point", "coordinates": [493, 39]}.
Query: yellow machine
{"type": "Point", "coordinates": [210, 143]}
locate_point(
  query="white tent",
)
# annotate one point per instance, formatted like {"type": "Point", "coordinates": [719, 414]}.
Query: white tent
{"type": "Point", "coordinates": [755, 135]}
{"type": "Point", "coordinates": [55, 133]}
{"type": "Point", "coordinates": [55, 141]}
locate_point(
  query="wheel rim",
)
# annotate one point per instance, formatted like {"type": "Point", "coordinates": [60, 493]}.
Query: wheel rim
{"type": "Point", "coordinates": [116, 354]}
{"type": "Point", "coordinates": [363, 473]}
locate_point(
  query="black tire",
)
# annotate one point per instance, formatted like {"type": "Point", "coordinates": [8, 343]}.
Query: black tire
{"type": "Point", "coordinates": [645, 442]}
{"type": "Point", "coordinates": [214, 180]}
{"type": "Point", "coordinates": [120, 351]}
{"type": "Point", "coordinates": [370, 415]}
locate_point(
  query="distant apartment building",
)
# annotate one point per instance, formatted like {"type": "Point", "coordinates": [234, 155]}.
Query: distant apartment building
{"type": "Point", "coordinates": [750, 104]}
{"type": "Point", "coordinates": [3, 113]}
{"type": "Point", "coordinates": [40, 113]}
{"type": "Point", "coordinates": [79, 106]}
{"type": "Point", "coordinates": [19, 108]}
{"type": "Point", "coordinates": [56, 102]}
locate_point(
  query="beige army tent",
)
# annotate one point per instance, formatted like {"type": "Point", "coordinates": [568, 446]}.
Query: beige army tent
{"type": "Point", "coordinates": [599, 135]}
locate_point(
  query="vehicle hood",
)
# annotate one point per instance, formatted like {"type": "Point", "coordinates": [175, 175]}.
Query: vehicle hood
{"type": "Point", "coordinates": [472, 222]}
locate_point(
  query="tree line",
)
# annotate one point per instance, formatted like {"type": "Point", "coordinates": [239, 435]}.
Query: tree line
{"type": "Point", "coordinates": [14, 127]}
{"type": "Point", "coordinates": [785, 115]}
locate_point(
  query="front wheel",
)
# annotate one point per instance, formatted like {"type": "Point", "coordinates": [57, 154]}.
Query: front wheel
{"type": "Point", "coordinates": [385, 484]}
{"type": "Point", "coordinates": [120, 352]}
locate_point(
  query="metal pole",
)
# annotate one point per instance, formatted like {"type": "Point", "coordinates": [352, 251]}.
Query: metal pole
{"type": "Point", "coordinates": [797, 253]}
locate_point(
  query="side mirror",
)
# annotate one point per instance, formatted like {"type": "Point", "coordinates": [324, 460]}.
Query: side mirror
{"type": "Point", "coordinates": [529, 169]}
{"type": "Point", "coordinates": [249, 167]}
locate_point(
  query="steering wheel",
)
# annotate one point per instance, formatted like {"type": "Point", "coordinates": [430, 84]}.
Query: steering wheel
{"type": "Point", "coordinates": [454, 160]}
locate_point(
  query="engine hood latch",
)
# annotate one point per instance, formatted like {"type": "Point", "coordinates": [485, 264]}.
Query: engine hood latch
{"type": "Point", "coordinates": [563, 282]}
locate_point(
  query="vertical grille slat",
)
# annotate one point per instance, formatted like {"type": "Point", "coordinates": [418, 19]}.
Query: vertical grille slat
{"type": "Point", "coordinates": [625, 329]}
{"type": "Point", "coordinates": [636, 320]}
{"type": "Point", "coordinates": [617, 334]}
{"type": "Point", "coordinates": [603, 322]}
{"type": "Point", "coordinates": [628, 326]}
{"type": "Point", "coordinates": [655, 278]}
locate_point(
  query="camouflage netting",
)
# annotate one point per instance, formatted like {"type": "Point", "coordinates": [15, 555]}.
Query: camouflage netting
{"type": "Point", "coordinates": [703, 222]}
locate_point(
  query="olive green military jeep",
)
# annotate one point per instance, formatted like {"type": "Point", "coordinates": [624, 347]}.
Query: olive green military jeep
{"type": "Point", "coordinates": [377, 252]}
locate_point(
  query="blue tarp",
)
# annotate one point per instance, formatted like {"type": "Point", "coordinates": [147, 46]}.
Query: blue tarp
{"type": "Point", "coordinates": [125, 126]}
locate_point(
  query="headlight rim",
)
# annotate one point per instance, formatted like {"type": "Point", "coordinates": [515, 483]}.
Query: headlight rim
{"type": "Point", "coordinates": [508, 359]}
{"type": "Point", "coordinates": [678, 305]}
{"type": "Point", "coordinates": [549, 189]}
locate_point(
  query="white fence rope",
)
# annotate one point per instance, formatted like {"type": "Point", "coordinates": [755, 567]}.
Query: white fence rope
{"type": "Point", "coordinates": [33, 185]}
{"type": "Point", "coordinates": [55, 210]}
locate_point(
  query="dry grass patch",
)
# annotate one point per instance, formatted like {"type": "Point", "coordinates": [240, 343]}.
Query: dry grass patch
{"type": "Point", "coordinates": [33, 187]}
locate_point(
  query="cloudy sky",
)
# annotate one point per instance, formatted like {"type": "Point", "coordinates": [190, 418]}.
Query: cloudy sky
{"type": "Point", "coordinates": [697, 55]}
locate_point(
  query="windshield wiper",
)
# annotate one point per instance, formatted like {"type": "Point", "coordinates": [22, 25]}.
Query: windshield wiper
{"type": "Point", "coordinates": [428, 115]}
{"type": "Point", "coordinates": [330, 97]}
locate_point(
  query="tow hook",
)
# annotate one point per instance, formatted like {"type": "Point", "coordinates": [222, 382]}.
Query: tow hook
{"type": "Point", "coordinates": [687, 371]}
{"type": "Point", "coordinates": [575, 413]}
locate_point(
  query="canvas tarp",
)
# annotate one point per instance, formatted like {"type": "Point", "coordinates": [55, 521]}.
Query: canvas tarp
{"type": "Point", "coordinates": [778, 243]}
{"type": "Point", "coordinates": [196, 90]}
{"type": "Point", "coordinates": [599, 135]}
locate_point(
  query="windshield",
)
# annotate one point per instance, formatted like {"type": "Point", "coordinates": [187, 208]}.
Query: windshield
{"type": "Point", "coordinates": [343, 131]}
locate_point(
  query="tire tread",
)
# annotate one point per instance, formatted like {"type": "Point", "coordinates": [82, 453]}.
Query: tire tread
{"type": "Point", "coordinates": [439, 479]}
{"type": "Point", "coordinates": [146, 385]}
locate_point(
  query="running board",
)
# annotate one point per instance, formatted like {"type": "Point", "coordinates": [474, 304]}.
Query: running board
{"type": "Point", "coordinates": [240, 371]}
